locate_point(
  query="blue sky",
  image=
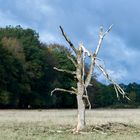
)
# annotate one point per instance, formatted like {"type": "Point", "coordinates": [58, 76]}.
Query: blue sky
{"type": "Point", "coordinates": [81, 20]}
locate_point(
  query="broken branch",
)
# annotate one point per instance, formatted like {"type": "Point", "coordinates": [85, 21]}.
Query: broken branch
{"type": "Point", "coordinates": [68, 40]}
{"type": "Point", "coordinates": [63, 90]}
{"type": "Point", "coordinates": [67, 71]}
{"type": "Point", "coordinates": [118, 88]}
{"type": "Point", "coordinates": [101, 38]}
{"type": "Point", "coordinates": [88, 99]}
{"type": "Point", "coordinates": [72, 60]}
{"type": "Point", "coordinates": [89, 76]}
{"type": "Point", "coordinates": [73, 88]}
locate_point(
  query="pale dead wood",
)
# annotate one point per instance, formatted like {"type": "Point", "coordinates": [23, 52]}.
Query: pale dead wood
{"type": "Point", "coordinates": [118, 89]}
{"type": "Point", "coordinates": [89, 75]}
{"type": "Point", "coordinates": [93, 56]}
{"type": "Point", "coordinates": [68, 40]}
{"type": "Point", "coordinates": [63, 90]}
{"type": "Point", "coordinates": [88, 79]}
{"type": "Point", "coordinates": [117, 93]}
{"type": "Point", "coordinates": [72, 60]}
{"type": "Point", "coordinates": [85, 51]}
{"type": "Point", "coordinates": [107, 31]}
{"type": "Point", "coordinates": [101, 37]}
{"type": "Point", "coordinates": [90, 84]}
{"type": "Point", "coordinates": [87, 97]}
{"type": "Point", "coordinates": [63, 70]}
{"type": "Point", "coordinates": [73, 88]}
{"type": "Point", "coordinates": [83, 81]}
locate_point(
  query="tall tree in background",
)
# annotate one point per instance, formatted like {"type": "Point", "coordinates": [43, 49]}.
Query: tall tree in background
{"type": "Point", "coordinates": [84, 78]}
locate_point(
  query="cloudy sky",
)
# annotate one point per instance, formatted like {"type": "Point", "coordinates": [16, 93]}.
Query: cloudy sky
{"type": "Point", "coordinates": [81, 20]}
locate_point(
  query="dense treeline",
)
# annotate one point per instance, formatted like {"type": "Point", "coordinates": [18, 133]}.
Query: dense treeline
{"type": "Point", "coordinates": [27, 75]}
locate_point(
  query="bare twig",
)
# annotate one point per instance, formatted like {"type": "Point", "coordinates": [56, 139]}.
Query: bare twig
{"type": "Point", "coordinates": [101, 38]}
{"type": "Point", "coordinates": [89, 75]}
{"type": "Point", "coordinates": [107, 31]}
{"type": "Point", "coordinates": [63, 90]}
{"type": "Point", "coordinates": [117, 92]}
{"type": "Point", "coordinates": [72, 60]}
{"type": "Point", "coordinates": [68, 40]}
{"type": "Point", "coordinates": [67, 71]}
{"type": "Point", "coordinates": [73, 88]}
{"type": "Point", "coordinates": [87, 99]}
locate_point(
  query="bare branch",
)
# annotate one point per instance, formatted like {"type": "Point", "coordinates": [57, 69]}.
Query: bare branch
{"type": "Point", "coordinates": [101, 38]}
{"type": "Point", "coordinates": [88, 98]}
{"type": "Point", "coordinates": [85, 51]}
{"type": "Point", "coordinates": [100, 41]}
{"type": "Point", "coordinates": [72, 60]}
{"type": "Point", "coordinates": [63, 90]}
{"type": "Point", "coordinates": [90, 84]}
{"type": "Point", "coordinates": [89, 76]}
{"type": "Point", "coordinates": [107, 31]}
{"type": "Point", "coordinates": [93, 57]}
{"type": "Point", "coordinates": [68, 40]}
{"type": "Point", "coordinates": [67, 71]}
{"type": "Point", "coordinates": [73, 88]}
{"type": "Point", "coordinates": [118, 88]}
{"type": "Point", "coordinates": [117, 92]}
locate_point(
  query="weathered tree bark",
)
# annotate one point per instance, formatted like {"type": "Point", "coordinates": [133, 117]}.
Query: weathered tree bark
{"type": "Point", "coordinates": [84, 81]}
{"type": "Point", "coordinates": [80, 91]}
{"type": "Point", "coordinates": [81, 114]}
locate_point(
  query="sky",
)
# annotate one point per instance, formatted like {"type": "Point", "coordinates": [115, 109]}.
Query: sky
{"type": "Point", "coordinates": [81, 20]}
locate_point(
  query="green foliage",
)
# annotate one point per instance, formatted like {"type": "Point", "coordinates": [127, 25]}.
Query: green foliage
{"type": "Point", "coordinates": [64, 80]}
{"type": "Point", "coordinates": [27, 75]}
{"type": "Point", "coordinates": [4, 98]}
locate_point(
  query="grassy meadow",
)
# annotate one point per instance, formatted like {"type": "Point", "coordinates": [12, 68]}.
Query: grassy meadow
{"type": "Point", "coordinates": [120, 124]}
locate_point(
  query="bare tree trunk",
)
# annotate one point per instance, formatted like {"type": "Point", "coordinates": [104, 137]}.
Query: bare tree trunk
{"type": "Point", "coordinates": [81, 113]}
{"type": "Point", "coordinates": [80, 91]}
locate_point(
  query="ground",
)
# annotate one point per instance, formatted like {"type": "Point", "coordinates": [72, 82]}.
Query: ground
{"type": "Point", "coordinates": [120, 124]}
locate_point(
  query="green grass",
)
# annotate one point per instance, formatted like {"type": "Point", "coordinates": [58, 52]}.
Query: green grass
{"type": "Point", "coordinates": [57, 125]}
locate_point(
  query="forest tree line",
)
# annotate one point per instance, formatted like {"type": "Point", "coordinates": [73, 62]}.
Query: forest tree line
{"type": "Point", "coordinates": [27, 76]}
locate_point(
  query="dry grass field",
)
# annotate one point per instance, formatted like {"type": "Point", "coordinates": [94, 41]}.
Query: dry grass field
{"type": "Point", "coordinates": [120, 124]}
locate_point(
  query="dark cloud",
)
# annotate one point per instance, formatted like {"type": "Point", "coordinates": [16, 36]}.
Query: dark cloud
{"type": "Point", "coordinates": [81, 20]}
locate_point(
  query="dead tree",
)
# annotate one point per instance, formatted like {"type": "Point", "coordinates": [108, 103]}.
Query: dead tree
{"type": "Point", "coordinates": [83, 81]}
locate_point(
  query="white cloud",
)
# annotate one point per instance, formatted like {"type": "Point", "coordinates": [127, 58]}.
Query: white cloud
{"type": "Point", "coordinates": [117, 75]}
{"type": "Point", "coordinates": [7, 19]}
{"type": "Point", "coordinates": [48, 37]}
{"type": "Point", "coordinates": [35, 8]}
{"type": "Point", "coordinates": [120, 60]}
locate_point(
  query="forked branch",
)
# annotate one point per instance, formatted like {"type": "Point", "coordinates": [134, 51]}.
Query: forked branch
{"type": "Point", "coordinates": [102, 35]}
{"type": "Point", "coordinates": [94, 56]}
{"type": "Point", "coordinates": [118, 89]}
